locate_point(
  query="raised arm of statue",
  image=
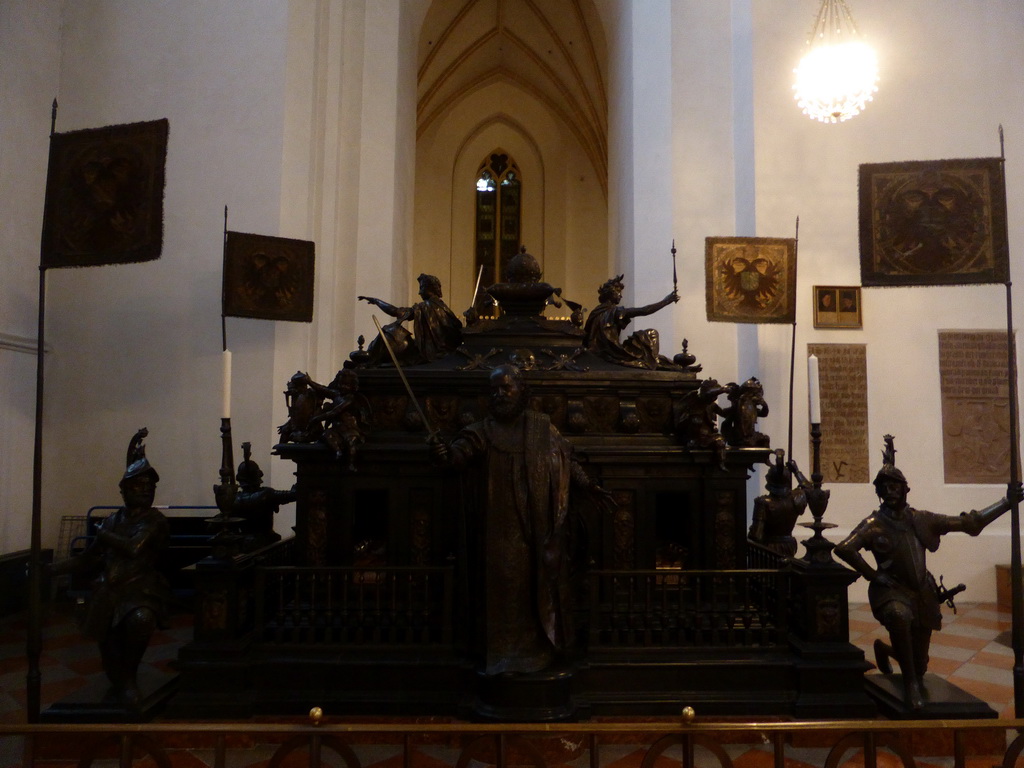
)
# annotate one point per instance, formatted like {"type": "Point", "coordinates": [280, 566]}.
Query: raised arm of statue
{"type": "Point", "coordinates": [974, 522]}
{"type": "Point", "coordinates": [649, 309]}
{"type": "Point", "coordinates": [608, 319]}
{"type": "Point", "coordinates": [321, 389]}
{"type": "Point", "coordinates": [801, 478]}
{"type": "Point", "coordinates": [402, 313]}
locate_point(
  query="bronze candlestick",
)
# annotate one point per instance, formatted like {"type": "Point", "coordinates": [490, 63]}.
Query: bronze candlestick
{"type": "Point", "coordinates": [819, 549]}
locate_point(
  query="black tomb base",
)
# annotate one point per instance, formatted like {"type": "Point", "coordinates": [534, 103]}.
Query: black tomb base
{"type": "Point", "coordinates": [537, 697]}
{"type": "Point", "coordinates": [627, 683]}
{"type": "Point", "coordinates": [943, 700]}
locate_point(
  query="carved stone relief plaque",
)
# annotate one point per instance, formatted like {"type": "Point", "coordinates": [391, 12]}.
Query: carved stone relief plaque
{"type": "Point", "coordinates": [975, 406]}
{"type": "Point", "coordinates": [725, 539]}
{"type": "Point", "coordinates": [623, 544]}
{"type": "Point", "coordinates": [843, 377]}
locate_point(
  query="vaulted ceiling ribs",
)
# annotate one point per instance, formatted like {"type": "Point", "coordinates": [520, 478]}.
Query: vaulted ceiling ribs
{"type": "Point", "coordinates": [553, 50]}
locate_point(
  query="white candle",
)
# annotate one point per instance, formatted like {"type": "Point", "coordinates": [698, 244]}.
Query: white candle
{"type": "Point", "coordinates": [226, 391]}
{"type": "Point", "coordinates": [813, 390]}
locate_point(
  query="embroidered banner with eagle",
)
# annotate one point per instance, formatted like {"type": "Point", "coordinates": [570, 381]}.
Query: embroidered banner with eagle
{"type": "Point", "coordinates": [750, 279]}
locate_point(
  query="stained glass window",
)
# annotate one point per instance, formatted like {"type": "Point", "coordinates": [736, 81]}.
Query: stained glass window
{"type": "Point", "coordinates": [498, 219]}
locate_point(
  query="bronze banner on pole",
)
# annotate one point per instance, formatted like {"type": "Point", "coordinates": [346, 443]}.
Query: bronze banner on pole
{"type": "Point", "coordinates": [105, 196]}
{"type": "Point", "coordinates": [933, 222]}
{"type": "Point", "coordinates": [750, 279]}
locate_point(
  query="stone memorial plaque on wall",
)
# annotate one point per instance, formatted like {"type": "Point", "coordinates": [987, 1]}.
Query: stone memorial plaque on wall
{"type": "Point", "coordinates": [975, 406]}
{"type": "Point", "coordinates": [843, 377]}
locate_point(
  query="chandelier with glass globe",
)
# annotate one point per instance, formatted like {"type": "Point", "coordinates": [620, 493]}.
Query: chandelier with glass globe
{"type": "Point", "coordinates": [838, 74]}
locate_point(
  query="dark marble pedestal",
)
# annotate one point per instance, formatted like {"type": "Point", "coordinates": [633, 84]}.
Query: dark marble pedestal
{"type": "Point", "coordinates": [95, 704]}
{"type": "Point", "coordinates": [537, 697]}
{"type": "Point", "coordinates": [943, 700]}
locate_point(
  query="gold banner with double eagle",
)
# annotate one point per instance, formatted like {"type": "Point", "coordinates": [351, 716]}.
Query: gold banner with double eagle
{"type": "Point", "coordinates": [750, 279]}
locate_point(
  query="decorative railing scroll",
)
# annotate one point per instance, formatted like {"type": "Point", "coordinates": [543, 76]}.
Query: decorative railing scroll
{"type": "Point", "coordinates": [676, 608]}
{"type": "Point", "coordinates": [355, 606]}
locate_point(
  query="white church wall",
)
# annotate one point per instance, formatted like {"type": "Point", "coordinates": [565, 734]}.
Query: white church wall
{"type": "Point", "coordinates": [585, 232]}
{"type": "Point", "coordinates": [641, 185]}
{"type": "Point", "coordinates": [296, 344]}
{"type": "Point", "coordinates": [139, 345]}
{"type": "Point", "coordinates": [949, 77]}
{"type": "Point", "coordinates": [382, 256]}
{"type": "Point", "coordinates": [347, 171]}
{"type": "Point", "coordinates": [703, 170]}
{"type": "Point", "coordinates": [29, 79]}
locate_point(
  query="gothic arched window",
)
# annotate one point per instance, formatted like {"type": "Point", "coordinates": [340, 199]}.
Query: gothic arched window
{"type": "Point", "coordinates": [498, 208]}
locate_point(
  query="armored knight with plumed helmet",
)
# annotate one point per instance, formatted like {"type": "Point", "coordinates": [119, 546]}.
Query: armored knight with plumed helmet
{"type": "Point", "coordinates": [696, 418]}
{"type": "Point", "coordinates": [775, 513]}
{"type": "Point", "coordinates": [904, 596]}
{"type": "Point", "coordinates": [256, 503]}
{"type": "Point", "coordinates": [130, 596]}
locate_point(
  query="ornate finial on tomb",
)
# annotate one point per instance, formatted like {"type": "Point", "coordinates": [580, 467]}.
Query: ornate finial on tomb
{"type": "Point", "coordinates": [522, 292]}
{"type": "Point", "coordinates": [686, 359]}
{"type": "Point", "coordinates": [522, 268]}
{"type": "Point", "coordinates": [359, 356]}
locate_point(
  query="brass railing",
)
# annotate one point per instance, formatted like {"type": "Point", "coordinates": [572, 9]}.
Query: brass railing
{"type": "Point", "coordinates": [689, 744]}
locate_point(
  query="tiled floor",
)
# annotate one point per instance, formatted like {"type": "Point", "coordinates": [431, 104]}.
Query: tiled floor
{"type": "Point", "coordinates": [966, 652]}
{"type": "Point", "coordinates": [68, 661]}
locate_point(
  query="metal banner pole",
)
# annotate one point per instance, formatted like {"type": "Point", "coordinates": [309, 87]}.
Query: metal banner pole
{"type": "Point", "coordinates": [1016, 577]}
{"type": "Point", "coordinates": [1016, 585]}
{"type": "Point", "coordinates": [34, 640]}
{"type": "Point", "coordinates": [792, 355]}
